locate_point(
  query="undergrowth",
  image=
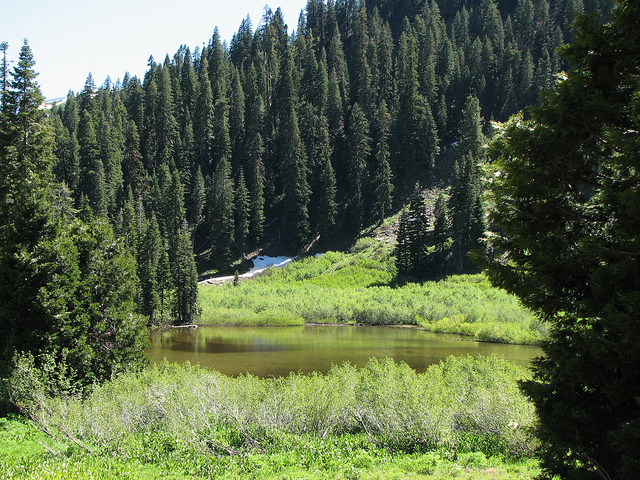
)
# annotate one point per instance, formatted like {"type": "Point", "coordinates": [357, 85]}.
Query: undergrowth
{"type": "Point", "coordinates": [362, 287]}
{"type": "Point", "coordinates": [463, 417]}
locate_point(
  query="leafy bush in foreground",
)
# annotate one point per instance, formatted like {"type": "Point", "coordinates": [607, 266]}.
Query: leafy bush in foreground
{"type": "Point", "coordinates": [461, 404]}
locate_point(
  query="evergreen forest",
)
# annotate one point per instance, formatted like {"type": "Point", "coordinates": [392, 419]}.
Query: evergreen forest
{"type": "Point", "coordinates": [494, 135]}
{"type": "Point", "coordinates": [279, 139]}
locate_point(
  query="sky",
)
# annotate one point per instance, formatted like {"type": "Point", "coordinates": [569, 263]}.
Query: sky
{"type": "Point", "coordinates": [71, 38]}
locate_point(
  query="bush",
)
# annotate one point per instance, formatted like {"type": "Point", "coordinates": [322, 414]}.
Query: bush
{"type": "Point", "coordinates": [462, 403]}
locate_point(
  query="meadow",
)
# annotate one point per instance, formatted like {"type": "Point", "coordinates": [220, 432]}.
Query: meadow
{"type": "Point", "coordinates": [361, 287]}
{"type": "Point", "coordinates": [463, 418]}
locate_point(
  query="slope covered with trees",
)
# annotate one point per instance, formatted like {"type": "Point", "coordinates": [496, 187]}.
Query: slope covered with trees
{"type": "Point", "coordinates": [279, 138]}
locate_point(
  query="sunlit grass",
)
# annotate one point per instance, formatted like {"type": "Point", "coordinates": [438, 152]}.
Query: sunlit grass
{"type": "Point", "coordinates": [361, 287]}
{"type": "Point", "coordinates": [464, 418]}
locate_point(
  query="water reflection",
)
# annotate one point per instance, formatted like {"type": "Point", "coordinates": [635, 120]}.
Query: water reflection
{"type": "Point", "coordinates": [276, 351]}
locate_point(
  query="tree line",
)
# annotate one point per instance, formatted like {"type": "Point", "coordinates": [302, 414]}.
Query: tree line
{"type": "Point", "coordinates": [290, 137]}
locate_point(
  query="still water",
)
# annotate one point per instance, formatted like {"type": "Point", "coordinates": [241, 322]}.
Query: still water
{"type": "Point", "coordinates": [277, 351]}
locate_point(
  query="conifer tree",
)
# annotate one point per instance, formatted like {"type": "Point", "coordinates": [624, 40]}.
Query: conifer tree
{"type": "Point", "coordinates": [412, 238]}
{"type": "Point", "coordinates": [203, 123]}
{"type": "Point", "coordinates": [241, 213]}
{"type": "Point", "coordinates": [148, 268]}
{"type": "Point", "coordinates": [256, 202]}
{"type": "Point", "coordinates": [567, 211]}
{"type": "Point", "coordinates": [221, 236]}
{"type": "Point", "coordinates": [382, 184]}
{"type": "Point", "coordinates": [68, 288]}
{"type": "Point", "coordinates": [194, 206]}
{"type": "Point", "coordinates": [440, 222]}
{"type": "Point", "coordinates": [91, 180]}
{"type": "Point", "coordinates": [360, 149]}
{"type": "Point", "coordinates": [293, 168]}
{"type": "Point", "coordinates": [185, 277]}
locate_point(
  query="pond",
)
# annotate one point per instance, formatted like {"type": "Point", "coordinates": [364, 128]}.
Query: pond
{"type": "Point", "coordinates": [277, 351]}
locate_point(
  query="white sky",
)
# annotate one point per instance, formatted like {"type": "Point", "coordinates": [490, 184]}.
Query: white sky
{"type": "Point", "coordinates": [70, 38]}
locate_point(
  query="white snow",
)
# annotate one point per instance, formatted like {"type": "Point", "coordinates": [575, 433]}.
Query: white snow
{"type": "Point", "coordinates": [264, 261]}
{"type": "Point", "coordinates": [260, 264]}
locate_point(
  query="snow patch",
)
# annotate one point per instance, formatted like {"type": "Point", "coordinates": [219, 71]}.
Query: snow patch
{"type": "Point", "coordinates": [264, 261]}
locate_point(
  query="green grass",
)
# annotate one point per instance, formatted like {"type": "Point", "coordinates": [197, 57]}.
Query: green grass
{"type": "Point", "coordinates": [348, 457]}
{"type": "Point", "coordinates": [463, 418]}
{"type": "Point", "coordinates": [361, 287]}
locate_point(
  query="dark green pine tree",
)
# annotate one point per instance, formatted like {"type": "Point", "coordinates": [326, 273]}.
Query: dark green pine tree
{"type": "Point", "coordinates": [415, 138]}
{"type": "Point", "coordinates": [222, 226]}
{"type": "Point", "coordinates": [221, 146]}
{"type": "Point", "coordinates": [360, 71]}
{"type": "Point", "coordinates": [174, 210]}
{"type": "Point", "coordinates": [359, 151]}
{"type": "Point", "coordinates": [567, 209]}
{"type": "Point", "coordinates": [185, 277]}
{"type": "Point", "coordinates": [236, 120]}
{"type": "Point", "coordinates": [256, 201]}
{"type": "Point", "coordinates": [467, 214]}
{"type": "Point", "coordinates": [412, 238]}
{"type": "Point", "coordinates": [472, 140]}
{"type": "Point", "coordinates": [382, 179]}
{"type": "Point", "coordinates": [440, 222]}
{"type": "Point", "coordinates": [67, 169]}
{"type": "Point", "coordinates": [326, 204]}
{"type": "Point", "coordinates": [91, 181]}
{"type": "Point", "coordinates": [196, 200]}
{"type": "Point", "coordinates": [166, 127]}
{"type": "Point", "coordinates": [149, 135]}
{"type": "Point", "coordinates": [203, 123]}
{"type": "Point", "coordinates": [148, 262]}
{"type": "Point", "coordinates": [68, 288]}
{"type": "Point", "coordinates": [133, 171]}
{"type": "Point", "coordinates": [241, 213]}
{"type": "Point", "coordinates": [293, 167]}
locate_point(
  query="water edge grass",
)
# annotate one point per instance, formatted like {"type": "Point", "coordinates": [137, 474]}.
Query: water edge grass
{"type": "Point", "coordinates": [361, 288]}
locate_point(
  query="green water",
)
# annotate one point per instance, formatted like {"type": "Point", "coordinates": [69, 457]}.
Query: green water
{"type": "Point", "coordinates": [277, 351]}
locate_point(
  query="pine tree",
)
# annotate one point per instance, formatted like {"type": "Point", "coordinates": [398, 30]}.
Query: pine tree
{"type": "Point", "coordinates": [412, 238]}
{"type": "Point", "coordinates": [68, 293]}
{"type": "Point", "coordinates": [91, 181]}
{"type": "Point", "coordinates": [567, 208]}
{"type": "Point", "coordinates": [221, 236]}
{"type": "Point", "coordinates": [196, 200]}
{"type": "Point", "coordinates": [185, 276]}
{"type": "Point", "coordinates": [256, 202]}
{"type": "Point", "coordinates": [241, 213]}
{"type": "Point", "coordinates": [148, 265]}
{"type": "Point", "coordinates": [293, 168]}
{"type": "Point", "coordinates": [359, 151]}
{"type": "Point", "coordinates": [382, 184]}
{"type": "Point", "coordinates": [467, 213]}
{"type": "Point", "coordinates": [440, 222]}
{"type": "Point", "coordinates": [203, 122]}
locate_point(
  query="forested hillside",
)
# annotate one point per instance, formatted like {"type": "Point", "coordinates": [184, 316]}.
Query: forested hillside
{"type": "Point", "coordinates": [283, 138]}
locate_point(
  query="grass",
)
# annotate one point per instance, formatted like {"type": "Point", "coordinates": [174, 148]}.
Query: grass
{"type": "Point", "coordinates": [32, 457]}
{"type": "Point", "coordinates": [361, 287]}
{"type": "Point", "coordinates": [463, 418]}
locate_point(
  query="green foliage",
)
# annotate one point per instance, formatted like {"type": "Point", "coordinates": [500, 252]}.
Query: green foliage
{"type": "Point", "coordinates": [412, 238]}
{"type": "Point", "coordinates": [68, 288]}
{"type": "Point", "coordinates": [358, 288]}
{"type": "Point", "coordinates": [566, 195]}
{"type": "Point", "coordinates": [193, 422]}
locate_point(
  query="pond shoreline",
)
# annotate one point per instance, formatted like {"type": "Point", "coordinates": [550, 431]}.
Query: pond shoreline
{"type": "Point", "coordinates": [453, 336]}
